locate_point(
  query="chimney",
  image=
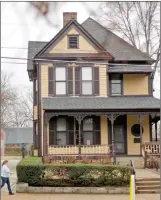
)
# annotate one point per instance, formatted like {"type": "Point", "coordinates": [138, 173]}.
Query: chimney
{"type": "Point", "coordinates": [68, 16]}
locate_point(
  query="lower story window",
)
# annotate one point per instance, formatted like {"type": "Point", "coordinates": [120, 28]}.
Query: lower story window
{"type": "Point", "coordinates": [88, 131]}
{"type": "Point", "coordinates": [61, 130]}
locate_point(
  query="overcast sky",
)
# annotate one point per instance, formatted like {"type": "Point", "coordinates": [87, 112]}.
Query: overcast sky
{"type": "Point", "coordinates": [20, 24]}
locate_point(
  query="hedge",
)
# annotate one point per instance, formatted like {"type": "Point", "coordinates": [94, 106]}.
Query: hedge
{"type": "Point", "coordinates": [35, 173]}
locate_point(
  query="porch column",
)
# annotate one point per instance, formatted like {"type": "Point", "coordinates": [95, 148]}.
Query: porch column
{"type": "Point", "coordinates": [45, 142]}
{"type": "Point", "coordinates": [156, 137]}
{"type": "Point", "coordinates": [112, 118]}
{"type": "Point", "coordinates": [79, 118]}
{"type": "Point", "coordinates": [141, 117]}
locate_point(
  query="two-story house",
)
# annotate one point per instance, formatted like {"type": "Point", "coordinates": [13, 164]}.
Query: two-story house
{"type": "Point", "coordinates": [92, 92]}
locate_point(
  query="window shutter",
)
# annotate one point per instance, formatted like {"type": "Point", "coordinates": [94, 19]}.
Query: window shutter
{"type": "Point", "coordinates": [70, 80]}
{"type": "Point", "coordinates": [96, 80]}
{"type": "Point", "coordinates": [97, 135]}
{"type": "Point", "coordinates": [51, 72]}
{"type": "Point", "coordinates": [52, 131]}
{"type": "Point", "coordinates": [70, 132]}
{"type": "Point", "coordinates": [77, 81]}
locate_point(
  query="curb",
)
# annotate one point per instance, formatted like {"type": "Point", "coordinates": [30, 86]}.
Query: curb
{"type": "Point", "coordinates": [25, 188]}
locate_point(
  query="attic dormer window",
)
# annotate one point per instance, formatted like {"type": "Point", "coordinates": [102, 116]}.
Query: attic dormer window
{"type": "Point", "coordinates": [73, 42]}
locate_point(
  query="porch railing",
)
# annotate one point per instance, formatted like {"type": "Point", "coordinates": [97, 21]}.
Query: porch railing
{"type": "Point", "coordinates": [152, 147]}
{"type": "Point", "coordinates": [150, 150]}
{"type": "Point", "coordinates": [74, 149]}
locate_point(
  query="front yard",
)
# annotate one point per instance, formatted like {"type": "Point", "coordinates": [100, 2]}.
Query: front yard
{"type": "Point", "coordinates": [33, 171]}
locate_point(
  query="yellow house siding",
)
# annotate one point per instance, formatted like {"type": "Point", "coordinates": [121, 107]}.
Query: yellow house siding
{"type": "Point", "coordinates": [84, 45]}
{"type": "Point", "coordinates": [35, 112]}
{"type": "Point", "coordinates": [104, 130]}
{"type": "Point", "coordinates": [44, 80]}
{"type": "Point", "coordinates": [134, 148]}
{"type": "Point", "coordinates": [135, 84]}
{"type": "Point", "coordinates": [103, 80]}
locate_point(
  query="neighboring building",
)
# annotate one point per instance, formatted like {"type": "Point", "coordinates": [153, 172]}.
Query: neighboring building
{"type": "Point", "coordinates": [18, 136]}
{"type": "Point", "coordinates": [92, 90]}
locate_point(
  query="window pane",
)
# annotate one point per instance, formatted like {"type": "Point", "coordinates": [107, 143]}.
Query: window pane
{"type": "Point", "coordinates": [73, 42]}
{"type": "Point", "coordinates": [60, 74]}
{"type": "Point", "coordinates": [88, 124]}
{"type": "Point", "coordinates": [87, 88]}
{"type": "Point", "coordinates": [116, 89]}
{"type": "Point", "coordinates": [87, 73]}
{"type": "Point", "coordinates": [60, 88]}
{"type": "Point", "coordinates": [61, 138]}
{"type": "Point", "coordinates": [88, 138]}
{"type": "Point", "coordinates": [61, 124]}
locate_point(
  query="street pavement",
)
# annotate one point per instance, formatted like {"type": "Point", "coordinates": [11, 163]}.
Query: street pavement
{"type": "Point", "coordinates": [5, 196]}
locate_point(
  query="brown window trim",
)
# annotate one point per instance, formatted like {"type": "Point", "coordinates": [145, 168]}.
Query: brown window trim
{"type": "Point", "coordinates": [81, 82]}
{"type": "Point", "coordinates": [68, 44]}
{"type": "Point", "coordinates": [66, 81]}
{"type": "Point", "coordinates": [85, 131]}
{"type": "Point", "coordinates": [110, 84]}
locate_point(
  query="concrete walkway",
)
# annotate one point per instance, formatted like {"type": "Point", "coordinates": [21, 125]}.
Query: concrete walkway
{"type": "Point", "coordinates": [5, 196]}
{"type": "Point", "coordinates": [145, 173]}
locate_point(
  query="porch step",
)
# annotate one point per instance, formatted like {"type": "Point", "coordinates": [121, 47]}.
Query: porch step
{"type": "Point", "coordinates": [148, 191]}
{"type": "Point", "coordinates": [148, 186]}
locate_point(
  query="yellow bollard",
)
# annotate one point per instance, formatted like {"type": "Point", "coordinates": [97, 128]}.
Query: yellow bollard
{"type": "Point", "coordinates": [132, 187]}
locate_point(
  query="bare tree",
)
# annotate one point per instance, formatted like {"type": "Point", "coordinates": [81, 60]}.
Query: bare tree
{"type": "Point", "coordinates": [21, 113]}
{"type": "Point", "coordinates": [16, 105]}
{"type": "Point", "coordinates": [137, 22]}
{"type": "Point", "coordinates": [8, 97]}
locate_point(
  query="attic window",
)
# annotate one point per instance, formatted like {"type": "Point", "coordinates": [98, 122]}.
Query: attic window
{"type": "Point", "coordinates": [73, 42]}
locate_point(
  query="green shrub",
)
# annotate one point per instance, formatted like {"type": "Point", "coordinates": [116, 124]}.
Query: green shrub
{"type": "Point", "coordinates": [30, 170]}
{"type": "Point", "coordinates": [35, 173]}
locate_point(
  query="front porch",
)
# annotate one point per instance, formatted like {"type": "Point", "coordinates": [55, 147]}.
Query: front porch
{"type": "Point", "coordinates": [109, 134]}
{"type": "Point", "coordinates": [97, 126]}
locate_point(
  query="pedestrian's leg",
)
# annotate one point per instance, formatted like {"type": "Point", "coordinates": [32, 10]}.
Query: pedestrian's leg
{"type": "Point", "coordinates": [8, 185]}
{"type": "Point", "coordinates": [3, 181]}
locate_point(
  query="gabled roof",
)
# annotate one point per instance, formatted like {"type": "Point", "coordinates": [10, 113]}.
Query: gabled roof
{"type": "Point", "coordinates": [101, 36]}
{"type": "Point", "coordinates": [68, 25]}
{"type": "Point", "coordinates": [116, 46]}
{"type": "Point", "coordinates": [101, 103]}
{"type": "Point", "coordinates": [33, 48]}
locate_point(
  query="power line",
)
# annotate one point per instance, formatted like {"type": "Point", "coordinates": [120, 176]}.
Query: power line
{"type": "Point", "coordinates": [14, 48]}
{"type": "Point", "coordinates": [98, 51]}
{"type": "Point", "coordinates": [69, 61]}
{"type": "Point", "coordinates": [14, 63]}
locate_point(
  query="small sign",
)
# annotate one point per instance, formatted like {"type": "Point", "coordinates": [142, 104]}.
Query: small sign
{"type": "Point", "coordinates": [88, 142]}
{"type": "Point", "coordinates": [136, 140]}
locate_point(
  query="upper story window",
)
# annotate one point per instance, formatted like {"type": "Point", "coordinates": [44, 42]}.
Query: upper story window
{"type": "Point", "coordinates": [73, 42]}
{"type": "Point", "coordinates": [60, 79]}
{"type": "Point", "coordinates": [87, 81]}
{"type": "Point", "coordinates": [116, 84]}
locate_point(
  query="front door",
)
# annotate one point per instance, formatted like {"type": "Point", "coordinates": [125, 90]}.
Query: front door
{"type": "Point", "coordinates": [119, 138]}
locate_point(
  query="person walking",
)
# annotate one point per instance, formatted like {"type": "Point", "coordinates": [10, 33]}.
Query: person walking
{"type": "Point", "coordinates": [5, 173]}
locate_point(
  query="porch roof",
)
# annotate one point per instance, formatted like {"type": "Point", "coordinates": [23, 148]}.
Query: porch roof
{"type": "Point", "coordinates": [101, 103]}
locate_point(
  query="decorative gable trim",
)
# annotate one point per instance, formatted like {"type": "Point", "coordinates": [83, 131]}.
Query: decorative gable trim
{"type": "Point", "coordinates": [61, 33]}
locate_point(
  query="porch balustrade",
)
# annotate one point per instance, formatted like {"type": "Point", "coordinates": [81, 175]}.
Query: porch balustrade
{"type": "Point", "coordinates": [152, 147]}
{"type": "Point", "coordinates": [74, 150]}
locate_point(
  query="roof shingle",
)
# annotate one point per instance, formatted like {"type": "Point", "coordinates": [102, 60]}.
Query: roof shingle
{"type": "Point", "coordinates": [101, 103]}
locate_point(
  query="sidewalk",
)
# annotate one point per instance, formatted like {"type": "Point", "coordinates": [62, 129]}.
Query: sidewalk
{"type": "Point", "coordinates": [5, 196]}
{"type": "Point", "coordinates": [145, 173]}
